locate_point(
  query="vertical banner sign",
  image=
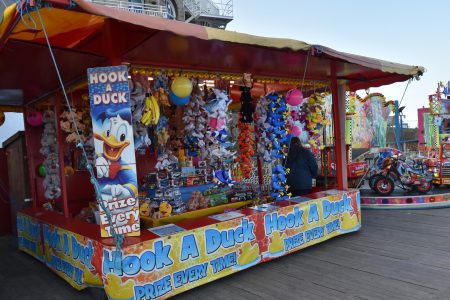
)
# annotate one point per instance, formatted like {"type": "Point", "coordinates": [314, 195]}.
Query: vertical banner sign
{"type": "Point", "coordinates": [115, 162]}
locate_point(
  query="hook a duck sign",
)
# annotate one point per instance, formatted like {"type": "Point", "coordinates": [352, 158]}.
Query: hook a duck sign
{"type": "Point", "coordinates": [115, 162]}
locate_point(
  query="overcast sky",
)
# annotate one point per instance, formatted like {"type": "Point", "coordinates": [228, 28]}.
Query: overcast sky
{"type": "Point", "coordinates": [412, 32]}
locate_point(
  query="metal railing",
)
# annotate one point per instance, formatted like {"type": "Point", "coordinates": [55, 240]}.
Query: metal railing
{"type": "Point", "coordinates": [136, 7]}
{"type": "Point", "coordinates": [223, 8]}
{"type": "Point", "coordinates": [193, 7]}
{"type": "Point", "coordinates": [210, 8]}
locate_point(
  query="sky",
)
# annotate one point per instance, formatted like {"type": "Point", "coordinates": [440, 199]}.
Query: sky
{"type": "Point", "coordinates": [412, 32]}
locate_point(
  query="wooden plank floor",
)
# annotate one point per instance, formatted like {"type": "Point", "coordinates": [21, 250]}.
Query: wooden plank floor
{"type": "Point", "coordinates": [396, 255]}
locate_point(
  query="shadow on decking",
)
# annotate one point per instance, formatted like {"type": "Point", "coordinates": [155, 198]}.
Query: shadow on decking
{"type": "Point", "coordinates": [396, 255]}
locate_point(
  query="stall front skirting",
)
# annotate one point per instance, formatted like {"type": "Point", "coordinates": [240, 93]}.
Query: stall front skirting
{"type": "Point", "coordinates": [150, 267]}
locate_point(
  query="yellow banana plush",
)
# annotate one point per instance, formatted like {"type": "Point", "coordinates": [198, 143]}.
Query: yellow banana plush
{"type": "Point", "coordinates": [147, 115]}
{"type": "Point", "coordinates": [156, 112]}
{"type": "Point", "coordinates": [151, 111]}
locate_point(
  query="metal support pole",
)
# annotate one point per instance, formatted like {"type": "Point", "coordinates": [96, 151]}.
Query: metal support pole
{"type": "Point", "coordinates": [339, 116]}
{"type": "Point", "coordinates": [397, 125]}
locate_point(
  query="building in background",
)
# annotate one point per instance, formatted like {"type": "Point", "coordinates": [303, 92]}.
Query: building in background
{"type": "Point", "coordinates": [425, 126]}
{"type": "Point", "coordinates": [211, 13]}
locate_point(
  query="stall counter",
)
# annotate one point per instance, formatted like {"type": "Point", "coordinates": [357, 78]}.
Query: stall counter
{"type": "Point", "coordinates": [173, 258]}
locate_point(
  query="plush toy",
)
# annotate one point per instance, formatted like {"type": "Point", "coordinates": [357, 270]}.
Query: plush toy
{"type": "Point", "coordinates": [49, 150]}
{"type": "Point", "coordinates": [246, 99]}
{"type": "Point", "coordinates": [144, 210]}
{"type": "Point", "coordinates": [193, 203]}
{"type": "Point", "coordinates": [264, 144]}
{"type": "Point", "coordinates": [195, 123]}
{"type": "Point", "coordinates": [311, 115]}
{"type": "Point", "coordinates": [224, 176]}
{"type": "Point", "coordinates": [217, 133]}
{"type": "Point", "coordinates": [277, 118]}
{"type": "Point", "coordinates": [278, 183]}
{"type": "Point", "coordinates": [165, 210]}
{"type": "Point", "coordinates": [246, 148]}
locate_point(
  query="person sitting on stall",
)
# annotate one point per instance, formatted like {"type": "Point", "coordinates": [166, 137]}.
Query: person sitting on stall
{"type": "Point", "coordinates": [303, 168]}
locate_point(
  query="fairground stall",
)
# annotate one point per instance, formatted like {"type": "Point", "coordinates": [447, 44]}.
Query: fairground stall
{"type": "Point", "coordinates": [156, 148]}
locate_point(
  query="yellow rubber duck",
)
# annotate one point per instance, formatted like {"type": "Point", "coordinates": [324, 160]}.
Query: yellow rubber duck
{"type": "Point", "coordinates": [276, 244]}
{"type": "Point", "coordinates": [91, 279]}
{"type": "Point", "coordinates": [116, 290]}
{"type": "Point", "coordinates": [248, 253]}
{"type": "Point", "coordinates": [348, 222]}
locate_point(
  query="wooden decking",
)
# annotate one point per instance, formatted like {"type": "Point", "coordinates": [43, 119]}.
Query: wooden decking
{"type": "Point", "coordinates": [396, 255]}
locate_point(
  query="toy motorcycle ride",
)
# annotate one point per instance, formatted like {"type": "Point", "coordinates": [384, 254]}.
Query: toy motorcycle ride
{"type": "Point", "coordinates": [375, 169]}
{"type": "Point", "coordinates": [395, 170]}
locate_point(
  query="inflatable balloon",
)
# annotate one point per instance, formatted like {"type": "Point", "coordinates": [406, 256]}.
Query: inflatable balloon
{"type": "Point", "coordinates": [295, 130]}
{"type": "Point", "coordinates": [41, 171]}
{"type": "Point", "coordinates": [175, 100]}
{"type": "Point", "coordinates": [34, 118]}
{"type": "Point", "coordinates": [294, 97]}
{"type": "Point", "coordinates": [2, 118]}
{"type": "Point", "coordinates": [181, 87]}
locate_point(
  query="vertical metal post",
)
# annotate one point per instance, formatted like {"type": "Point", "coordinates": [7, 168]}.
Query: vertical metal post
{"type": "Point", "coordinates": [31, 162]}
{"type": "Point", "coordinates": [397, 126]}
{"type": "Point", "coordinates": [338, 105]}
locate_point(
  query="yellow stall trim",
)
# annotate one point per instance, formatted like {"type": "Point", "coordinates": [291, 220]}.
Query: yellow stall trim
{"type": "Point", "coordinates": [149, 222]}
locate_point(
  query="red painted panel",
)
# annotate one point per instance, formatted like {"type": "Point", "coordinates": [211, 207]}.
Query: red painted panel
{"type": "Point", "coordinates": [5, 218]}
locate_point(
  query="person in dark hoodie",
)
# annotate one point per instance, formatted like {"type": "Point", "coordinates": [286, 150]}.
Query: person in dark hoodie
{"type": "Point", "coordinates": [303, 168]}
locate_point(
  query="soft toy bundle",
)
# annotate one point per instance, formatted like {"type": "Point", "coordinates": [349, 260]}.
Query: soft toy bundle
{"type": "Point", "coordinates": [246, 99]}
{"type": "Point", "coordinates": [264, 145]}
{"type": "Point", "coordinates": [217, 132]}
{"type": "Point", "coordinates": [165, 160]}
{"type": "Point", "coordinates": [162, 130]}
{"type": "Point", "coordinates": [67, 126]}
{"type": "Point", "coordinates": [197, 201]}
{"type": "Point", "coordinates": [315, 121]}
{"type": "Point", "coordinates": [278, 183]}
{"type": "Point", "coordinates": [49, 149]}
{"type": "Point", "coordinates": [277, 118]}
{"type": "Point", "coordinates": [137, 102]}
{"type": "Point", "coordinates": [161, 89]}
{"type": "Point", "coordinates": [246, 148]}
{"type": "Point", "coordinates": [195, 124]}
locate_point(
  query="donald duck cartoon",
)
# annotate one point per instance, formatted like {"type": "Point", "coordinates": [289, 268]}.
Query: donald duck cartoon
{"type": "Point", "coordinates": [116, 176]}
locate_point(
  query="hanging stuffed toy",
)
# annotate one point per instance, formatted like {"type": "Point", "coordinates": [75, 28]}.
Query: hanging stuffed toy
{"type": "Point", "coordinates": [218, 131]}
{"type": "Point", "coordinates": [162, 130]}
{"type": "Point", "coordinates": [49, 149]}
{"type": "Point", "coordinates": [312, 114]}
{"type": "Point", "coordinates": [264, 145]}
{"type": "Point", "coordinates": [278, 183]}
{"type": "Point", "coordinates": [246, 115]}
{"type": "Point", "coordinates": [195, 124]}
{"type": "Point", "coordinates": [151, 113]}
{"type": "Point", "coordinates": [277, 116]}
{"type": "Point", "coordinates": [217, 135]}
{"type": "Point", "coordinates": [246, 148]}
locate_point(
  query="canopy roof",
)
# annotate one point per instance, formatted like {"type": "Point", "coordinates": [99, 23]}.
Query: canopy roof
{"type": "Point", "coordinates": [91, 35]}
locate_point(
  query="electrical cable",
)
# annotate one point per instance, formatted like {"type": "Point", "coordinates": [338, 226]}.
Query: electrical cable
{"type": "Point", "coordinates": [117, 237]}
